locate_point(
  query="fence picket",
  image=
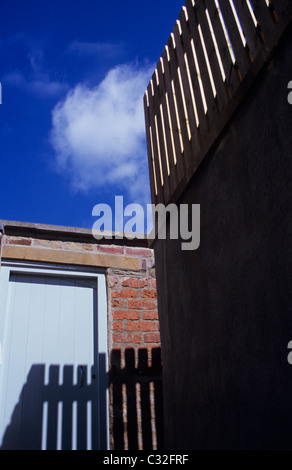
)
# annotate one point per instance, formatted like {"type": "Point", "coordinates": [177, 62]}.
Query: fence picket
{"type": "Point", "coordinates": [214, 45]}
{"type": "Point", "coordinates": [160, 143]}
{"type": "Point", "coordinates": [243, 59]}
{"type": "Point", "coordinates": [170, 146]}
{"type": "Point", "coordinates": [196, 77]}
{"type": "Point", "coordinates": [176, 131]}
{"type": "Point", "coordinates": [191, 121]}
{"type": "Point", "coordinates": [193, 34]}
{"type": "Point", "coordinates": [173, 67]}
{"type": "Point", "coordinates": [232, 77]}
{"type": "Point", "coordinates": [264, 17]}
{"type": "Point", "coordinates": [151, 164]}
{"type": "Point", "coordinates": [154, 149]}
{"type": "Point", "coordinates": [198, 17]}
{"type": "Point", "coordinates": [253, 38]}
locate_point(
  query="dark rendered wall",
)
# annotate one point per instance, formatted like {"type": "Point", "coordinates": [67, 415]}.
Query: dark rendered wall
{"type": "Point", "coordinates": [225, 309]}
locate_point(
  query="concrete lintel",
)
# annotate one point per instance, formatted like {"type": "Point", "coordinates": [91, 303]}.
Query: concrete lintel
{"type": "Point", "coordinates": [70, 257]}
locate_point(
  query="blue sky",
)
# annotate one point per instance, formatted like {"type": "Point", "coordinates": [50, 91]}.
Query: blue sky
{"type": "Point", "coordinates": [73, 76]}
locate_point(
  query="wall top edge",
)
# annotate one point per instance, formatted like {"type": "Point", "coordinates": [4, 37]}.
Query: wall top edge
{"type": "Point", "coordinates": [64, 233]}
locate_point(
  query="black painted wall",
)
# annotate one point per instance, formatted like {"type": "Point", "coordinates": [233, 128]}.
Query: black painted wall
{"type": "Point", "coordinates": [226, 308]}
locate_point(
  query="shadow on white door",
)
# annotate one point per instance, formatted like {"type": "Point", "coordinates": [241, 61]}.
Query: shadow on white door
{"type": "Point", "coordinates": [53, 376]}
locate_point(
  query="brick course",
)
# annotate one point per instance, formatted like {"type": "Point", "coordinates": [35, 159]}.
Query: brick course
{"type": "Point", "coordinates": [133, 305]}
{"type": "Point", "coordinates": [133, 324]}
{"type": "Point", "coordinates": [132, 296]}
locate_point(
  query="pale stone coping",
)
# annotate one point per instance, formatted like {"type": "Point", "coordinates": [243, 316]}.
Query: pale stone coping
{"type": "Point", "coordinates": [83, 235]}
{"type": "Point", "coordinates": [29, 253]}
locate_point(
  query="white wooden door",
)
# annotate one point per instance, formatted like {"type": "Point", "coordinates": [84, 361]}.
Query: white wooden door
{"type": "Point", "coordinates": [52, 375]}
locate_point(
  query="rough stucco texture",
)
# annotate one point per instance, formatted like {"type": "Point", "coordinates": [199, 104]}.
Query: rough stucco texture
{"type": "Point", "coordinates": [225, 309]}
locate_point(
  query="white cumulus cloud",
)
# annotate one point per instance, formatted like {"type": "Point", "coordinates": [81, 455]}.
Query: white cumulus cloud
{"type": "Point", "coordinates": [98, 133]}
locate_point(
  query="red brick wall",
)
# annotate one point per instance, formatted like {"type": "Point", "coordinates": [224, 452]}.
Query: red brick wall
{"type": "Point", "coordinates": [133, 330]}
{"type": "Point", "coordinates": [134, 315]}
{"type": "Point", "coordinates": [135, 358]}
{"type": "Point", "coordinates": [132, 297]}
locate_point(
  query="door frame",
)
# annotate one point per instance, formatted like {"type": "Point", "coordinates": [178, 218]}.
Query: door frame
{"type": "Point", "coordinates": [9, 267]}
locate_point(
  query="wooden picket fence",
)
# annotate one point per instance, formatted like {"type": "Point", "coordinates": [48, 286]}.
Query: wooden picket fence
{"type": "Point", "coordinates": [212, 57]}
